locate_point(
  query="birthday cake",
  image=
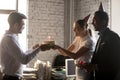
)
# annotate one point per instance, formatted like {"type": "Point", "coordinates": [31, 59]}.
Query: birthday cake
{"type": "Point", "coordinates": [49, 40]}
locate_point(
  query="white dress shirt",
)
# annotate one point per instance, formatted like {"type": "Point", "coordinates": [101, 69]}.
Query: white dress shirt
{"type": "Point", "coordinates": [12, 56]}
{"type": "Point", "coordinates": [87, 42]}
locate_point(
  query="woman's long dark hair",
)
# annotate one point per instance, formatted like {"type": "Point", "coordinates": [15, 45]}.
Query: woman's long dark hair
{"type": "Point", "coordinates": [82, 23]}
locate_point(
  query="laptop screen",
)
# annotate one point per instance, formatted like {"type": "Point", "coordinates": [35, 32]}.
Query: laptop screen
{"type": "Point", "coordinates": [70, 68]}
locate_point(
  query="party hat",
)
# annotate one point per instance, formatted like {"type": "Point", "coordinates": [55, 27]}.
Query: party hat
{"type": "Point", "coordinates": [86, 18]}
{"type": "Point", "coordinates": [101, 7]}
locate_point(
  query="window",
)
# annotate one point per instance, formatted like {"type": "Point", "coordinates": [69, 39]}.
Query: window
{"type": "Point", "coordinates": [3, 24]}
{"type": "Point", "coordinates": [7, 6]}
{"type": "Point", "coordinates": [115, 15]}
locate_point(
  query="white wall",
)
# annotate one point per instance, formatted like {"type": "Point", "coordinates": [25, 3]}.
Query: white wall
{"type": "Point", "coordinates": [115, 15]}
{"type": "Point", "coordinates": [22, 7]}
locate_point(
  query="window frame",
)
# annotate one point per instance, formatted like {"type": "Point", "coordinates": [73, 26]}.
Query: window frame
{"type": "Point", "coordinates": [4, 11]}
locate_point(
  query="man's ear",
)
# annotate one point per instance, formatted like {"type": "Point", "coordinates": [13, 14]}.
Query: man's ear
{"type": "Point", "coordinates": [16, 24]}
{"type": "Point", "coordinates": [104, 22]}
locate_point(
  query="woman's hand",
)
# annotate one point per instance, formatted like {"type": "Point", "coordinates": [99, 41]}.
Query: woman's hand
{"type": "Point", "coordinates": [89, 67]}
{"type": "Point", "coordinates": [45, 47]}
{"type": "Point", "coordinates": [55, 46]}
{"type": "Point", "coordinates": [49, 46]}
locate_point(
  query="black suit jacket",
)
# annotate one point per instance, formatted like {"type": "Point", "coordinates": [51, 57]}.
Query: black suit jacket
{"type": "Point", "coordinates": [107, 56]}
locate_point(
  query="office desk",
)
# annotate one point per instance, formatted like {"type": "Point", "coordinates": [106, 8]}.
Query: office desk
{"type": "Point", "coordinates": [60, 74]}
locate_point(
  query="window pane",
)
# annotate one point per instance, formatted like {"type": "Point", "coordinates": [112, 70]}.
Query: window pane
{"type": "Point", "coordinates": [3, 24]}
{"type": "Point", "coordinates": [8, 4]}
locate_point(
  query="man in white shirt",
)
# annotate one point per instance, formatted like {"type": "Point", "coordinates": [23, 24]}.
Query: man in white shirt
{"type": "Point", "coordinates": [12, 56]}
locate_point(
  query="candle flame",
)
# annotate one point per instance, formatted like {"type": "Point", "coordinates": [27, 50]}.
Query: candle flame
{"type": "Point", "coordinates": [49, 37]}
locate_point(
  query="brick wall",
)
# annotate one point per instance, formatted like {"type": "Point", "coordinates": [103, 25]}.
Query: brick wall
{"type": "Point", "coordinates": [85, 7]}
{"type": "Point", "coordinates": [45, 18]}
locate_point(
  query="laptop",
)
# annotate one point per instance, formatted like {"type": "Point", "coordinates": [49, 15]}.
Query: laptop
{"type": "Point", "coordinates": [70, 68]}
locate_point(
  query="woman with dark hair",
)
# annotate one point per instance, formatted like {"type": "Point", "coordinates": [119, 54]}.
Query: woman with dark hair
{"type": "Point", "coordinates": [81, 48]}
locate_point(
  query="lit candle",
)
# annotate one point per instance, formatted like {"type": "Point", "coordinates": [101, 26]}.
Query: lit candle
{"type": "Point", "coordinates": [49, 41]}
{"type": "Point", "coordinates": [49, 38]}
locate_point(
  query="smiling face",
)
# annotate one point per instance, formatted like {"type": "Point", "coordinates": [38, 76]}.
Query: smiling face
{"type": "Point", "coordinates": [16, 22]}
{"type": "Point", "coordinates": [18, 27]}
{"type": "Point", "coordinates": [77, 29]}
{"type": "Point", "coordinates": [21, 26]}
{"type": "Point", "coordinates": [100, 20]}
{"type": "Point", "coordinates": [96, 23]}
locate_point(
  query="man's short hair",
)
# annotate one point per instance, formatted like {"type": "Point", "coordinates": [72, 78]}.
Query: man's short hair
{"type": "Point", "coordinates": [81, 22]}
{"type": "Point", "coordinates": [15, 17]}
{"type": "Point", "coordinates": [102, 16]}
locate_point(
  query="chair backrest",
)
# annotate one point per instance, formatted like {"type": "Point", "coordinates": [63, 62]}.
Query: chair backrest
{"type": "Point", "coordinates": [59, 60]}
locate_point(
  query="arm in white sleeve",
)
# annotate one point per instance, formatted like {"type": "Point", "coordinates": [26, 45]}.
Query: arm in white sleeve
{"type": "Point", "coordinates": [12, 46]}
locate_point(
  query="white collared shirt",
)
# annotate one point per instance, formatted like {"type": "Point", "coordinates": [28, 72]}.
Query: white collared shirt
{"type": "Point", "coordinates": [87, 42]}
{"type": "Point", "coordinates": [12, 56]}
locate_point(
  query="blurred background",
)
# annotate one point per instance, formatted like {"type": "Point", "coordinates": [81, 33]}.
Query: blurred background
{"type": "Point", "coordinates": [54, 18]}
